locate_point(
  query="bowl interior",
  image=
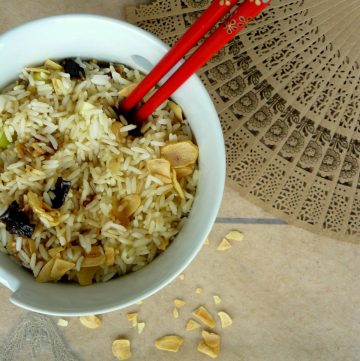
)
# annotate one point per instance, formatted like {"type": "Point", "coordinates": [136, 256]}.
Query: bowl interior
{"type": "Point", "coordinates": [101, 38]}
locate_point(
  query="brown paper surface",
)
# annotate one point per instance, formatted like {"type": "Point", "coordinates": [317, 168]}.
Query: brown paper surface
{"type": "Point", "coordinates": [292, 295]}
{"type": "Point", "coordinates": [287, 93]}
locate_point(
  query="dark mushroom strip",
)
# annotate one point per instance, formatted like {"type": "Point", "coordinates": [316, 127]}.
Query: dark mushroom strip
{"type": "Point", "coordinates": [61, 190]}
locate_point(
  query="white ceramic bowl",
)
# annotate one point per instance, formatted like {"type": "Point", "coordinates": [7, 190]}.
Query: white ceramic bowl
{"type": "Point", "coordinates": [102, 38]}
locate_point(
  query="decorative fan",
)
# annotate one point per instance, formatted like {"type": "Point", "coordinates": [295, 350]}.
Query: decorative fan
{"type": "Point", "coordinates": [287, 91]}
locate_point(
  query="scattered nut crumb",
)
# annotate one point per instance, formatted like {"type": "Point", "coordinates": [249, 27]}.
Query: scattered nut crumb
{"type": "Point", "coordinates": [170, 343]}
{"type": "Point", "coordinates": [175, 312]}
{"type": "Point", "coordinates": [91, 321]}
{"type": "Point", "coordinates": [182, 277]}
{"type": "Point", "coordinates": [210, 344]}
{"type": "Point", "coordinates": [235, 236]}
{"type": "Point", "coordinates": [204, 316]}
{"type": "Point", "coordinates": [223, 245]}
{"type": "Point", "coordinates": [192, 325]}
{"type": "Point", "coordinates": [179, 303]}
{"type": "Point", "coordinates": [199, 290]}
{"type": "Point", "coordinates": [121, 349]}
{"type": "Point", "coordinates": [207, 242]}
{"type": "Point", "coordinates": [132, 317]}
{"type": "Point", "coordinates": [63, 323]}
{"type": "Point", "coordinates": [140, 326]}
{"type": "Point", "coordinates": [225, 319]}
{"type": "Point", "coordinates": [217, 299]}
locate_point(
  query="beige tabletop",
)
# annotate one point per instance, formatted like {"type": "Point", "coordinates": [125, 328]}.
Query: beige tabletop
{"type": "Point", "coordinates": [293, 296]}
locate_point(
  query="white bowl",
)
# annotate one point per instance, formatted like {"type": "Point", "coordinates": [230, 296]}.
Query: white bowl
{"type": "Point", "coordinates": [102, 38]}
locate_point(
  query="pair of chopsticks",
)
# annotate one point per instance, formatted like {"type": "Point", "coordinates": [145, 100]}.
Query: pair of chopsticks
{"type": "Point", "coordinates": [236, 21]}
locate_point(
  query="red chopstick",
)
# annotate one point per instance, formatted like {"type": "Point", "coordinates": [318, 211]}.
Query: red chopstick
{"type": "Point", "coordinates": [200, 27]}
{"type": "Point", "coordinates": [244, 14]}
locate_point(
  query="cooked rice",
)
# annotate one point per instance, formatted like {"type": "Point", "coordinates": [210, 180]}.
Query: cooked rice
{"type": "Point", "coordinates": [65, 139]}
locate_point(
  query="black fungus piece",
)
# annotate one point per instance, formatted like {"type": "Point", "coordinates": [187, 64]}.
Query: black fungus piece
{"type": "Point", "coordinates": [17, 221]}
{"type": "Point", "coordinates": [61, 190]}
{"type": "Point", "coordinates": [131, 119]}
{"type": "Point", "coordinates": [103, 64]}
{"type": "Point", "coordinates": [73, 68]}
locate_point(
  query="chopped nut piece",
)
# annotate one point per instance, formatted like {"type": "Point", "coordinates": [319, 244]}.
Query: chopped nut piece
{"type": "Point", "coordinates": [45, 273]}
{"type": "Point", "coordinates": [184, 171]}
{"type": "Point", "coordinates": [159, 167]}
{"type": "Point", "coordinates": [121, 349]}
{"type": "Point", "coordinates": [199, 290]}
{"type": "Point", "coordinates": [132, 317]}
{"type": "Point", "coordinates": [63, 323]}
{"type": "Point", "coordinates": [170, 343]}
{"type": "Point", "coordinates": [180, 154]}
{"type": "Point", "coordinates": [95, 258]}
{"type": "Point", "coordinates": [109, 255]}
{"type": "Point", "coordinates": [176, 109]}
{"type": "Point", "coordinates": [192, 325]}
{"type": "Point", "coordinates": [53, 65]}
{"type": "Point", "coordinates": [204, 316]}
{"type": "Point", "coordinates": [235, 236]}
{"type": "Point", "coordinates": [54, 251]}
{"type": "Point", "coordinates": [182, 277]}
{"type": "Point", "coordinates": [60, 268]}
{"type": "Point", "coordinates": [44, 212]}
{"type": "Point", "coordinates": [223, 245]}
{"type": "Point", "coordinates": [175, 313]}
{"type": "Point", "coordinates": [126, 91]}
{"type": "Point", "coordinates": [179, 303]}
{"type": "Point", "coordinates": [90, 321]}
{"type": "Point", "coordinates": [86, 275]}
{"type": "Point", "coordinates": [225, 319]}
{"type": "Point", "coordinates": [210, 344]}
{"type": "Point", "coordinates": [207, 242]}
{"type": "Point", "coordinates": [177, 185]}
{"type": "Point", "coordinates": [140, 326]}
{"type": "Point", "coordinates": [217, 299]}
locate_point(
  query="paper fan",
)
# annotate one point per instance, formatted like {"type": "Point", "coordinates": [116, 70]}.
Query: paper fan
{"type": "Point", "coordinates": [287, 91]}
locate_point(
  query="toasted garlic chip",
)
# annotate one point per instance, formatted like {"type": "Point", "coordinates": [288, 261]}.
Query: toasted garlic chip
{"type": "Point", "coordinates": [199, 290]}
{"type": "Point", "coordinates": [121, 349]}
{"type": "Point", "coordinates": [53, 65]}
{"type": "Point", "coordinates": [170, 343]}
{"type": "Point", "coordinates": [223, 245]}
{"type": "Point", "coordinates": [235, 236]}
{"type": "Point", "coordinates": [159, 167]}
{"type": "Point", "coordinates": [180, 154]}
{"type": "Point", "coordinates": [63, 323]}
{"type": "Point", "coordinates": [204, 316]}
{"type": "Point", "coordinates": [95, 258]}
{"type": "Point", "coordinates": [225, 319]}
{"type": "Point", "coordinates": [60, 268]}
{"type": "Point", "coordinates": [140, 326]}
{"type": "Point", "coordinates": [217, 299]}
{"type": "Point", "coordinates": [115, 128]}
{"type": "Point", "coordinates": [132, 317]}
{"type": "Point", "coordinates": [54, 251]}
{"type": "Point", "coordinates": [210, 344]}
{"type": "Point", "coordinates": [44, 212]}
{"type": "Point", "coordinates": [86, 275]}
{"type": "Point", "coordinates": [184, 171]}
{"type": "Point", "coordinates": [90, 321]}
{"type": "Point", "coordinates": [126, 207]}
{"type": "Point", "coordinates": [177, 185]}
{"type": "Point", "coordinates": [126, 91]}
{"type": "Point", "coordinates": [45, 273]}
{"type": "Point", "coordinates": [176, 109]}
{"type": "Point", "coordinates": [175, 313]}
{"type": "Point", "coordinates": [179, 303]}
{"type": "Point", "coordinates": [192, 325]}
{"type": "Point", "coordinates": [109, 255]}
